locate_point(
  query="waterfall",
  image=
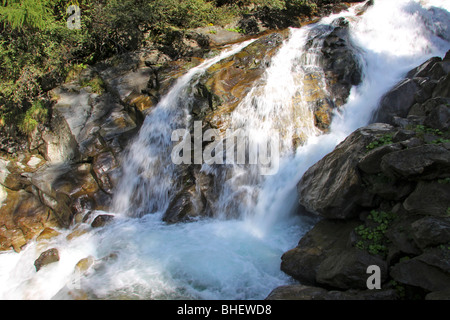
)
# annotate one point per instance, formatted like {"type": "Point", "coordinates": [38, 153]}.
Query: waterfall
{"type": "Point", "coordinates": [236, 258]}
{"type": "Point", "coordinates": [148, 172]}
{"type": "Point", "coordinates": [276, 107]}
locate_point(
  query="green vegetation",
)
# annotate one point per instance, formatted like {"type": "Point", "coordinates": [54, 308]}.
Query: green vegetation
{"type": "Point", "coordinates": [35, 115]}
{"type": "Point", "coordinates": [399, 288]}
{"type": "Point", "coordinates": [440, 140]}
{"type": "Point", "coordinates": [371, 236]}
{"type": "Point", "coordinates": [96, 84]}
{"type": "Point", "coordinates": [421, 130]}
{"type": "Point", "coordinates": [383, 140]}
{"type": "Point", "coordinates": [238, 30]}
{"type": "Point", "coordinates": [444, 180]}
{"type": "Point", "coordinates": [38, 51]}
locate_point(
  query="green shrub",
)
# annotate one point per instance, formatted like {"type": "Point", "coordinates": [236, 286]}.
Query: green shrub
{"type": "Point", "coordinates": [34, 116]}
{"type": "Point", "coordinates": [238, 30]}
{"type": "Point", "coordinates": [372, 235]}
{"type": "Point", "coordinates": [440, 140]}
{"type": "Point", "coordinates": [307, 7]}
{"type": "Point", "coordinates": [96, 84]}
{"type": "Point", "coordinates": [399, 288]}
{"type": "Point", "coordinates": [383, 140]}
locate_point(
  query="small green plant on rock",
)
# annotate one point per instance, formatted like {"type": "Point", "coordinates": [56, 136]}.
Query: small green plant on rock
{"type": "Point", "coordinates": [399, 288]}
{"type": "Point", "coordinates": [444, 180]}
{"type": "Point", "coordinates": [372, 235]}
{"type": "Point", "coordinates": [35, 115]}
{"type": "Point", "coordinates": [421, 129]}
{"type": "Point", "coordinates": [440, 140]}
{"type": "Point", "coordinates": [238, 30]}
{"type": "Point", "coordinates": [383, 140]}
{"type": "Point", "coordinates": [96, 84]}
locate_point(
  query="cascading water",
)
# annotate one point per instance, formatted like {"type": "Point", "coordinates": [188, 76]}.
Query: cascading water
{"type": "Point", "coordinates": [234, 258]}
{"type": "Point", "coordinates": [148, 172]}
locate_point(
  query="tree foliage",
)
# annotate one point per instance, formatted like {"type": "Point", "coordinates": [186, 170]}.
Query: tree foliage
{"type": "Point", "coordinates": [37, 50]}
{"type": "Point", "coordinates": [19, 14]}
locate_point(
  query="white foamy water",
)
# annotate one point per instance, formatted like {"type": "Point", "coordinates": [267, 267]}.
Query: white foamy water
{"type": "Point", "coordinates": [236, 258]}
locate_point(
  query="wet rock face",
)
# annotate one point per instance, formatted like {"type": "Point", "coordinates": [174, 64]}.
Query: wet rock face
{"type": "Point", "coordinates": [215, 96]}
{"type": "Point", "coordinates": [341, 70]}
{"type": "Point", "coordinates": [22, 213]}
{"type": "Point", "coordinates": [333, 186]}
{"type": "Point", "coordinates": [392, 183]}
{"type": "Point", "coordinates": [102, 220]}
{"type": "Point", "coordinates": [423, 94]}
{"type": "Point", "coordinates": [73, 164]}
{"type": "Point", "coordinates": [340, 63]}
{"type": "Point", "coordinates": [22, 217]}
{"type": "Point", "coordinates": [225, 83]}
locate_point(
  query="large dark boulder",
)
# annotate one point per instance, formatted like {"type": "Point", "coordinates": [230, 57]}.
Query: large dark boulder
{"type": "Point", "coordinates": [302, 292]}
{"type": "Point", "coordinates": [429, 198]}
{"type": "Point", "coordinates": [420, 272]}
{"type": "Point", "coordinates": [431, 231]}
{"type": "Point", "coordinates": [429, 80]}
{"type": "Point", "coordinates": [333, 187]}
{"type": "Point", "coordinates": [397, 102]}
{"type": "Point", "coordinates": [389, 186]}
{"type": "Point", "coordinates": [340, 62]}
{"type": "Point", "coordinates": [326, 238]}
{"type": "Point", "coordinates": [347, 269]}
{"type": "Point", "coordinates": [426, 162]}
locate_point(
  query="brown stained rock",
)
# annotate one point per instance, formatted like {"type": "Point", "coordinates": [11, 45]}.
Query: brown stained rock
{"type": "Point", "coordinates": [84, 264]}
{"type": "Point", "coordinates": [22, 217]}
{"type": "Point", "coordinates": [46, 257]}
{"type": "Point", "coordinates": [225, 83]}
{"type": "Point", "coordinates": [102, 220]}
{"type": "Point", "coordinates": [47, 233]}
{"type": "Point", "coordinates": [76, 233]}
{"type": "Point", "coordinates": [104, 166]}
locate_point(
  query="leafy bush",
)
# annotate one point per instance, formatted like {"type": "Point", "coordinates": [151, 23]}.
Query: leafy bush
{"type": "Point", "coordinates": [38, 51]}
{"type": "Point", "coordinates": [96, 84]}
{"type": "Point", "coordinates": [383, 140]}
{"type": "Point", "coordinates": [35, 115]}
{"type": "Point", "coordinates": [372, 234]}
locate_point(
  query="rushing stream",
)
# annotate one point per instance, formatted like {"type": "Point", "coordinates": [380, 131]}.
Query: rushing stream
{"type": "Point", "coordinates": [222, 257]}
